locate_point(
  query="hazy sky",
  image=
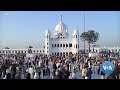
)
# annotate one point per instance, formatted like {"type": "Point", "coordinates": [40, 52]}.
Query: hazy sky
{"type": "Point", "coordinates": [19, 29]}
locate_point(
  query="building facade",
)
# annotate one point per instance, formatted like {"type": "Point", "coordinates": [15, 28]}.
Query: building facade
{"type": "Point", "coordinates": [59, 42]}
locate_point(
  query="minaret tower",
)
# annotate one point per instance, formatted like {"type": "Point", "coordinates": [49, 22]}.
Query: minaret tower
{"type": "Point", "coordinates": [47, 41]}
{"type": "Point", "coordinates": [75, 41]}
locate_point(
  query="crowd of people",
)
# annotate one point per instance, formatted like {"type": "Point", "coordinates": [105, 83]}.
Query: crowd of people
{"type": "Point", "coordinates": [18, 66]}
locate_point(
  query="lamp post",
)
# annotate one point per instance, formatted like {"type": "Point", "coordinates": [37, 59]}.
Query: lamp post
{"type": "Point", "coordinates": [84, 31]}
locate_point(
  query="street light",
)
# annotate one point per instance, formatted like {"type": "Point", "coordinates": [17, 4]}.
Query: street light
{"type": "Point", "coordinates": [84, 31]}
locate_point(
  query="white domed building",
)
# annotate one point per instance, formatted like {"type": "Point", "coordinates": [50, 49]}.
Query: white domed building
{"type": "Point", "coordinates": [59, 42]}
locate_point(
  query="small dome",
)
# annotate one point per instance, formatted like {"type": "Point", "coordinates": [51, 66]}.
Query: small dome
{"type": "Point", "coordinates": [47, 31]}
{"type": "Point", "coordinates": [61, 27]}
{"type": "Point", "coordinates": [75, 31]}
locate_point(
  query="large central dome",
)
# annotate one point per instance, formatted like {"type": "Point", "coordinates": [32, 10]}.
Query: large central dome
{"type": "Point", "coordinates": [61, 27]}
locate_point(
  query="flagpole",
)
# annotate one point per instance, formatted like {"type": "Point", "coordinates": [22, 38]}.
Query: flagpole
{"type": "Point", "coordinates": [84, 31]}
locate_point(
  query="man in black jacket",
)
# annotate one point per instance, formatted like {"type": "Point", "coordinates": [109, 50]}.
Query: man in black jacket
{"type": "Point", "coordinates": [54, 66]}
{"type": "Point", "coordinates": [46, 71]}
{"type": "Point", "coordinates": [28, 76]}
{"type": "Point", "coordinates": [66, 73]}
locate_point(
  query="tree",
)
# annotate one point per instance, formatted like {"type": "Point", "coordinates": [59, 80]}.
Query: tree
{"type": "Point", "coordinates": [6, 47]}
{"type": "Point", "coordinates": [91, 37]}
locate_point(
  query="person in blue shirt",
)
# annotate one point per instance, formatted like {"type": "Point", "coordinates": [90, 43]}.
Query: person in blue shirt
{"type": "Point", "coordinates": [89, 73]}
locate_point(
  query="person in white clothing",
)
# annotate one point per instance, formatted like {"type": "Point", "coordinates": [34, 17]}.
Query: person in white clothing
{"type": "Point", "coordinates": [36, 75]}
{"type": "Point", "coordinates": [31, 71]}
{"type": "Point", "coordinates": [84, 72]}
{"type": "Point", "coordinates": [22, 74]}
{"type": "Point", "coordinates": [5, 77]}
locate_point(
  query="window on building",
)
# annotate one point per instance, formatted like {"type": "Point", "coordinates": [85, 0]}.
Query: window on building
{"type": "Point", "coordinates": [43, 51]}
{"type": "Point", "coordinates": [67, 53]}
{"type": "Point", "coordinates": [55, 45]}
{"type": "Point", "coordinates": [112, 50]}
{"type": "Point", "coordinates": [58, 54]}
{"type": "Point", "coordinates": [90, 50]}
{"type": "Point", "coordinates": [47, 47]}
{"type": "Point", "coordinates": [61, 37]}
{"type": "Point", "coordinates": [55, 53]}
{"type": "Point", "coordinates": [66, 45]}
{"type": "Point", "coordinates": [70, 45]}
{"type": "Point", "coordinates": [47, 51]}
{"type": "Point", "coordinates": [52, 45]}
{"type": "Point", "coordinates": [47, 36]}
{"type": "Point", "coordinates": [70, 53]}
{"type": "Point", "coordinates": [52, 53]}
{"type": "Point", "coordinates": [119, 50]}
{"type": "Point", "coordinates": [76, 36]}
{"type": "Point", "coordinates": [96, 51]}
{"type": "Point", "coordinates": [63, 45]}
{"type": "Point", "coordinates": [47, 43]}
{"type": "Point", "coordinates": [76, 45]}
{"type": "Point", "coordinates": [58, 45]}
{"type": "Point", "coordinates": [40, 51]}
{"type": "Point", "coordinates": [61, 34]}
{"type": "Point", "coordinates": [61, 53]}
